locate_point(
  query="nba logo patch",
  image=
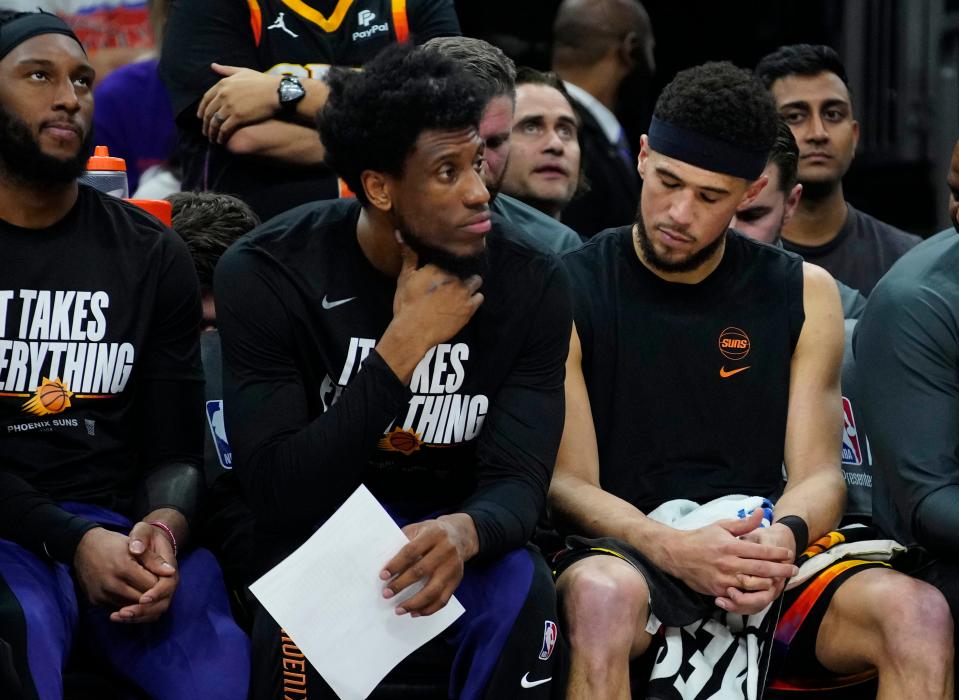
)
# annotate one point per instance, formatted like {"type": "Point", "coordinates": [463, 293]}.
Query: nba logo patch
{"type": "Point", "coordinates": [214, 416]}
{"type": "Point", "coordinates": [851, 454]}
{"type": "Point", "coordinates": [549, 640]}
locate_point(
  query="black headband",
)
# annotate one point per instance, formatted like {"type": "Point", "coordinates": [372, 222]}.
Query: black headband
{"type": "Point", "coordinates": [704, 151]}
{"type": "Point", "coordinates": [29, 25]}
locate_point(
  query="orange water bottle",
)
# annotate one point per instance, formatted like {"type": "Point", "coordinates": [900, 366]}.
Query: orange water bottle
{"type": "Point", "coordinates": [106, 173]}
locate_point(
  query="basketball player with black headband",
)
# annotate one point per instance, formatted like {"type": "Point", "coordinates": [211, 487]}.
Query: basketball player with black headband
{"type": "Point", "coordinates": [660, 408]}
{"type": "Point", "coordinates": [405, 340]}
{"type": "Point", "coordinates": [100, 406]}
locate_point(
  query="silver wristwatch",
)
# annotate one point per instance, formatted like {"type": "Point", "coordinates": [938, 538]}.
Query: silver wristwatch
{"type": "Point", "coordinates": [291, 92]}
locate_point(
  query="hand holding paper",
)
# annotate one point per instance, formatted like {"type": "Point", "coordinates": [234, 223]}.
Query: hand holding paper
{"type": "Point", "coordinates": [329, 598]}
{"type": "Point", "coordinates": [437, 551]}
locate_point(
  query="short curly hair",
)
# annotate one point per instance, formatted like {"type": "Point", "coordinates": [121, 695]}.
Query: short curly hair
{"type": "Point", "coordinates": [721, 101]}
{"type": "Point", "coordinates": [800, 59]}
{"type": "Point", "coordinates": [372, 118]}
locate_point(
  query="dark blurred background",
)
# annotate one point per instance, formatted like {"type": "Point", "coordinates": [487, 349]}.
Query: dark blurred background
{"type": "Point", "coordinates": [902, 57]}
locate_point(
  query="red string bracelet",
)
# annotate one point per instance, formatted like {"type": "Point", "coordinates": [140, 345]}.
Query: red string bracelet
{"type": "Point", "coordinates": [169, 533]}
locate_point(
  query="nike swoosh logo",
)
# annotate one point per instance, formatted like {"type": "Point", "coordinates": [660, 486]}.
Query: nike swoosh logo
{"type": "Point", "coordinates": [333, 304]}
{"type": "Point", "coordinates": [724, 374]}
{"type": "Point", "coordinates": [526, 683]}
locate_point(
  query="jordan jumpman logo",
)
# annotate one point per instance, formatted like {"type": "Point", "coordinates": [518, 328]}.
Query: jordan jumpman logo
{"type": "Point", "coordinates": [280, 24]}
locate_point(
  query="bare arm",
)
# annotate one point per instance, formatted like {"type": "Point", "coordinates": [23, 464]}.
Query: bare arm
{"type": "Point", "coordinates": [576, 501]}
{"type": "Point", "coordinates": [245, 97]}
{"type": "Point", "coordinates": [815, 490]}
{"type": "Point", "coordinates": [280, 140]}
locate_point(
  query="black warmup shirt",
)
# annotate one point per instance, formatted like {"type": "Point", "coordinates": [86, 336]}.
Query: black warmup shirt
{"type": "Point", "coordinates": [861, 252]}
{"type": "Point", "coordinates": [688, 384]}
{"type": "Point", "coordinates": [312, 410]}
{"type": "Point", "coordinates": [99, 365]}
{"type": "Point", "coordinates": [906, 347]}
{"type": "Point", "coordinates": [276, 36]}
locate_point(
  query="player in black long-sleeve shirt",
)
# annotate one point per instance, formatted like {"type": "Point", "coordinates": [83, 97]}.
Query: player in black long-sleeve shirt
{"type": "Point", "coordinates": [908, 344]}
{"type": "Point", "coordinates": [403, 341]}
{"type": "Point", "coordinates": [100, 406]}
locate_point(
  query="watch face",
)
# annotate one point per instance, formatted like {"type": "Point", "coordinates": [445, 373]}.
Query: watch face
{"type": "Point", "coordinates": [290, 90]}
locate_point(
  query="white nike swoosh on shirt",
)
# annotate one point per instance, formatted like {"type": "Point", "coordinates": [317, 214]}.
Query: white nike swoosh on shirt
{"type": "Point", "coordinates": [526, 683]}
{"type": "Point", "coordinates": [333, 304]}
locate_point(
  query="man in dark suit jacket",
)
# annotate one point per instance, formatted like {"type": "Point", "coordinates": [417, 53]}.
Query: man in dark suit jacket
{"type": "Point", "coordinates": [593, 61]}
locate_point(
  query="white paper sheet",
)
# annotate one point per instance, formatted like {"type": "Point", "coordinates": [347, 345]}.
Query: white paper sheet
{"type": "Point", "coordinates": [328, 597]}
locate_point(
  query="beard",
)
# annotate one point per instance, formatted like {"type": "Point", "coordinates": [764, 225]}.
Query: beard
{"type": "Point", "coordinates": [23, 161]}
{"type": "Point", "coordinates": [688, 264]}
{"type": "Point", "coordinates": [462, 266]}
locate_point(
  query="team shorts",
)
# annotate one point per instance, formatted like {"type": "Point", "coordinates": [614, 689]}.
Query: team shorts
{"type": "Point", "coordinates": [507, 643]}
{"type": "Point", "coordinates": [793, 662]}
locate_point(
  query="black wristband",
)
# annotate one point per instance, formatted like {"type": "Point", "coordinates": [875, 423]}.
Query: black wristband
{"type": "Point", "coordinates": [799, 529]}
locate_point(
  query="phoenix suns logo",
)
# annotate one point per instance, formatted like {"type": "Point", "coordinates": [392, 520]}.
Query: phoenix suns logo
{"type": "Point", "coordinates": [50, 397]}
{"type": "Point", "coordinates": [734, 343]}
{"type": "Point", "coordinates": [401, 440]}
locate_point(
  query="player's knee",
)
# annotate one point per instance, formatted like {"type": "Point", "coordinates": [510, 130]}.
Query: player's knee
{"type": "Point", "coordinates": [915, 623]}
{"type": "Point", "coordinates": [603, 600]}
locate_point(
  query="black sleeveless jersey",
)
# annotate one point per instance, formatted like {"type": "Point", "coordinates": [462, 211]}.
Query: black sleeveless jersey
{"type": "Point", "coordinates": [688, 384]}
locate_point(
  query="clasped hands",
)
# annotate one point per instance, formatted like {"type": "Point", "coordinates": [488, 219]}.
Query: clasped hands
{"type": "Point", "coordinates": [744, 566]}
{"type": "Point", "coordinates": [136, 574]}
